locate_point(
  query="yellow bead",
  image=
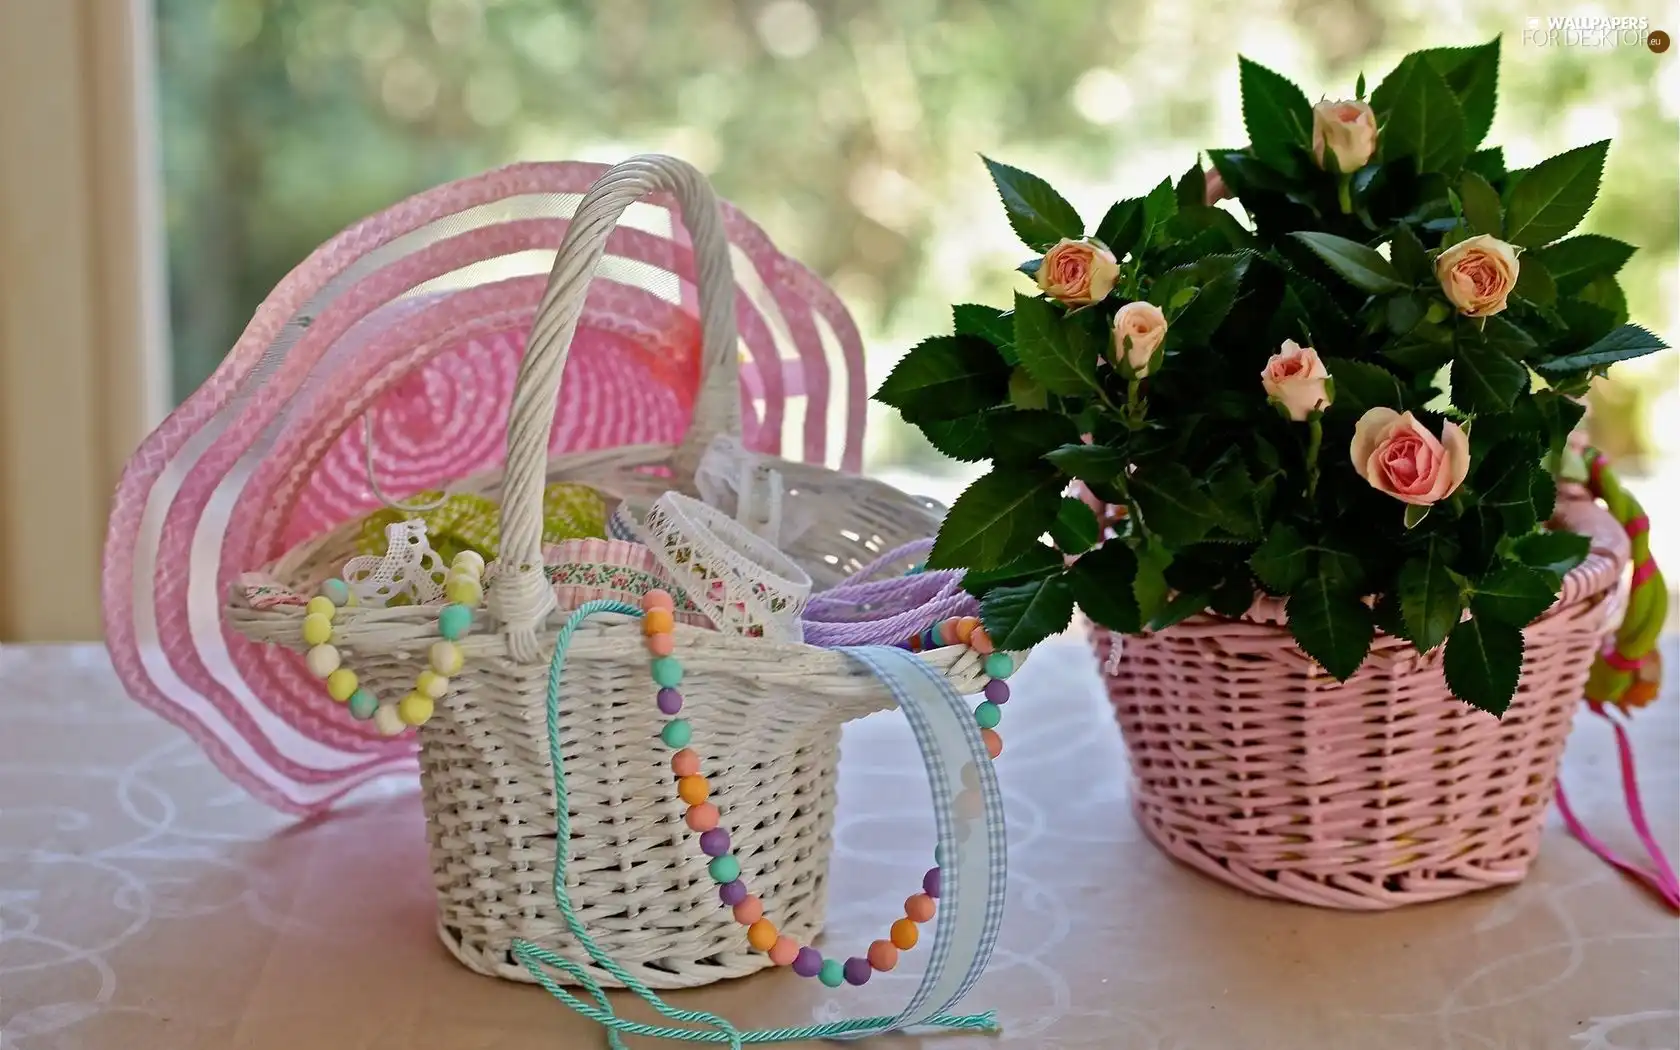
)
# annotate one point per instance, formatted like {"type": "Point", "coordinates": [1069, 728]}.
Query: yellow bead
{"type": "Point", "coordinates": [415, 709]}
{"type": "Point", "coordinates": [341, 683]}
{"type": "Point", "coordinates": [431, 684]}
{"type": "Point", "coordinates": [446, 658]}
{"type": "Point", "coordinates": [317, 629]}
{"type": "Point", "coordinates": [321, 605]}
{"type": "Point", "coordinates": [463, 590]}
{"type": "Point", "coordinates": [387, 720]}
{"type": "Point", "coordinates": [468, 563]}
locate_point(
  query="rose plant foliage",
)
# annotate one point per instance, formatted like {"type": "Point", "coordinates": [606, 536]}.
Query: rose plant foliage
{"type": "Point", "coordinates": [1356, 400]}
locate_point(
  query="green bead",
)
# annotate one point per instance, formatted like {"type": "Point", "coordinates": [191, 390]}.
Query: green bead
{"type": "Point", "coordinates": [939, 856]}
{"type": "Point", "coordinates": [677, 733]}
{"type": "Point", "coordinates": [724, 869]}
{"type": "Point", "coordinates": [833, 973]}
{"type": "Point", "coordinates": [999, 665]}
{"type": "Point", "coordinates": [454, 622]}
{"type": "Point", "coordinates": [988, 715]}
{"type": "Point", "coordinates": [363, 704]}
{"type": "Point", "coordinates": [667, 672]}
{"type": "Point", "coordinates": [335, 591]}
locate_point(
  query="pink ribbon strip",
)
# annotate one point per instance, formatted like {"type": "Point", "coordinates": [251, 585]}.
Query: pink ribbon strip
{"type": "Point", "coordinates": [1663, 882]}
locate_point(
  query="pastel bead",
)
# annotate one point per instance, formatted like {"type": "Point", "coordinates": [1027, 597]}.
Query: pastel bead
{"type": "Point", "coordinates": [808, 963]}
{"type": "Point", "coordinates": [988, 715]}
{"type": "Point", "coordinates": [323, 660]}
{"type": "Point", "coordinates": [455, 621]}
{"type": "Point", "coordinates": [857, 971]}
{"type": "Point", "coordinates": [658, 599]}
{"type": "Point", "coordinates": [317, 629]}
{"type": "Point", "coordinates": [980, 641]}
{"type": "Point", "coordinates": [320, 606]}
{"type": "Point", "coordinates": [965, 628]}
{"type": "Point", "coordinates": [999, 665]}
{"type": "Point", "coordinates": [431, 683]}
{"type": "Point", "coordinates": [470, 563]}
{"type": "Point", "coordinates": [694, 790]}
{"type": "Point", "coordinates": [883, 955]}
{"type": "Point", "coordinates": [658, 621]}
{"type": "Point", "coordinates": [341, 684]}
{"type": "Point", "coordinates": [670, 701]}
{"type": "Point", "coordinates": [703, 817]}
{"type": "Point", "coordinates": [676, 733]}
{"type": "Point", "coordinates": [463, 590]}
{"type": "Point", "coordinates": [970, 804]}
{"type": "Point", "coordinates": [387, 721]}
{"type": "Point", "coordinates": [415, 709]}
{"type": "Point", "coordinates": [784, 951]}
{"type": "Point", "coordinates": [970, 776]}
{"type": "Point", "coordinates": [662, 644]}
{"type": "Point", "coordinates": [919, 907]}
{"type": "Point", "coordinates": [994, 743]}
{"type": "Point", "coordinates": [930, 883]}
{"type": "Point", "coordinates": [997, 691]}
{"type": "Point", "coordinates": [714, 842]}
{"type": "Point", "coordinates": [749, 911]}
{"type": "Point", "coordinates": [905, 934]}
{"type": "Point", "coordinates": [732, 893]}
{"type": "Point", "coordinates": [446, 658]}
{"type": "Point", "coordinates": [724, 869]}
{"type": "Point", "coordinates": [761, 933]}
{"type": "Point", "coordinates": [667, 671]}
{"type": "Point", "coordinates": [832, 974]}
{"type": "Point", "coordinates": [362, 705]}
{"type": "Point", "coordinates": [947, 632]}
{"type": "Point", "coordinates": [335, 591]}
{"type": "Point", "coordinates": [686, 763]}
{"type": "Point", "coordinates": [939, 856]}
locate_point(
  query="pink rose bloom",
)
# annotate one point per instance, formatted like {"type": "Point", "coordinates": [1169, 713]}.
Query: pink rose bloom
{"type": "Point", "coordinates": [1215, 188]}
{"type": "Point", "coordinates": [1077, 272]}
{"type": "Point", "coordinates": [1296, 378]}
{"type": "Point", "coordinates": [1346, 129]}
{"type": "Point", "coordinates": [1478, 274]}
{"type": "Point", "coordinates": [1138, 329]}
{"type": "Point", "coordinates": [1395, 454]}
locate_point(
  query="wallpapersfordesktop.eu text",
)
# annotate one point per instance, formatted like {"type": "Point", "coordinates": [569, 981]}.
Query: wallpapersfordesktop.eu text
{"type": "Point", "coordinates": [1587, 31]}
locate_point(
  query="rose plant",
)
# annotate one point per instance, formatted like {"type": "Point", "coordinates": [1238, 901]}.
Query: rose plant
{"type": "Point", "coordinates": [1355, 398]}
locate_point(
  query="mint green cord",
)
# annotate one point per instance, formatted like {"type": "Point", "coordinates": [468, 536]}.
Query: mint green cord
{"type": "Point", "coordinates": [533, 958]}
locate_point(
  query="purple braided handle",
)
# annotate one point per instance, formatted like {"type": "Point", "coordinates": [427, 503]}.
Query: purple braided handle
{"type": "Point", "coordinates": [886, 611]}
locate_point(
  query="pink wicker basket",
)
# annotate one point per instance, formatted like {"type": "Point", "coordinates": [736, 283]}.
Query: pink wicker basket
{"type": "Point", "coordinates": [1252, 765]}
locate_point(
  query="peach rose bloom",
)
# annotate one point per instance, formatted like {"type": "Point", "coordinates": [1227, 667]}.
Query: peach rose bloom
{"type": "Point", "coordinates": [1348, 129]}
{"type": "Point", "coordinates": [1077, 272]}
{"type": "Point", "coordinates": [1296, 379]}
{"type": "Point", "coordinates": [1395, 454]}
{"type": "Point", "coordinates": [1478, 274]}
{"type": "Point", "coordinates": [1214, 188]}
{"type": "Point", "coordinates": [1144, 325]}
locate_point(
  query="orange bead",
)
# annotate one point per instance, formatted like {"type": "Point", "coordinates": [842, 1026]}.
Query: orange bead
{"type": "Point", "coordinates": [948, 631]}
{"type": "Point", "coordinates": [883, 955]}
{"type": "Point", "coordinates": [980, 641]}
{"type": "Point", "coordinates": [970, 805]}
{"type": "Point", "coordinates": [966, 627]}
{"type": "Point", "coordinates": [662, 644]}
{"type": "Point", "coordinates": [658, 621]}
{"type": "Point", "coordinates": [905, 935]}
{"type": "Point", "coordinates": [994, 743]}
{"type": "Point", "coordinates": [658, 599]}
{"type": "Point", "coordinates": [762, 934]}
{"type": "Point", "coordinates": [786, 950]}
{"type": "Point", "coordinates": [686, 763]}
{"type": "Point", "coordinates": [703, 817]}
{"type": "Point", "coordinates": [694, 790]}
{"type": "Point", "coordinates": [749, 912]}
{"type": "Point", "coordinates": [919, 908]}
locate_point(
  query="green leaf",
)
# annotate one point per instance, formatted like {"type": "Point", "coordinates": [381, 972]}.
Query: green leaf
{"type": "Point", "coordinates": [1275, 112]}
{"type": "Point", "coordinates": [1283, 560]}
{"type": "Point", "coordinates": [1075, 528]}
{"type": "Point", "coordinates": [1513, 593]}
{"type": "Point", "coordinates": [1624, 344]}
{"type": "Point", "coordinates": [1039, 562]}
{"type": "Point", "coordinates": [1181, 607]}
{"type": "Point", "coordinates": [997, 519]}
{"type": "Point", "coordinates": [1485, 380]}
{"type": "Point", "coordinates": [1236, 498]}
{"type": "Point", "coordinates": [1481, 204]}
{"type": "Point", "coordinates": [1576, 260]}
{"type": "Point", "coordinates": [1173, 505]}
{"type": "Point", "coordinates": [966, 440]}
{"type": "Point", "coordinates": [1089, 462]}
{"type": "Point", "coordinates": [1025, 392]}
{"type": "Point", "coordinates": [1415, 515]}
{"type": "Point", "coordinates": [1505, 337]}
{"type": "Point", "coordinates": [1483, 663]}
{"type": "Point", "coordinates": [1361, 386]}
{"type": "Point", "coordinates": [1431, 599]}
{"type": "Point", "coordinates": [1122, 226]}
{"type": "Point", "coordinates": [1191, 191]}
{"type": "Point", "coordinates": [1425, 349]}
{"type": "Point", "coordinates": [986, 322]}
{"type": "Point", "coordinates": [1160, 206]}
{"type": "Point", "coordinates": [1410, 260]}
{"type": "Point", "coordinates": [946, 377]}
{"type": "Point", "coordinates": [1058, 352]}
{"type": "Point", "coordinates": [1021, 439]}
{"type": "Point", "coordinates": [1037, 213]}
{"type": "Point", "coordinates": [1331, 625]}
{"type": "Point", "coordinates": [1473, 75]}
{"type": "Point", "coordinates": [1488, 163]}
{"type": "Point", "coordinates": [1604, 292]}
{"type": "Point", "coordinates": [1505, 480]}
{"type": "Point", "coordinates": [1534, 283]}
{"type": "Point", "coordinates": [1551, 197]}
{"type": "Point", "coordinates": [1103, 584]}
{"type": "Point", "coordinates": [1360, 266]}
{"type": "Point", "coordinates": [1021, 615]}
{"type": "Point", "coordinates": [1421, 117]}
{"type": "Point", "coordinates": [1214, 281]}
{"type": "Point", "coordinates": [1150, 587]}
{"type": "Point", "coordinates": [1552, 551]}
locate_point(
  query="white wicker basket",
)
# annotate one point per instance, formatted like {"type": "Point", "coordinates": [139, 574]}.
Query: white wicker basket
{"type": "Point", "coordinates": [766, 715]}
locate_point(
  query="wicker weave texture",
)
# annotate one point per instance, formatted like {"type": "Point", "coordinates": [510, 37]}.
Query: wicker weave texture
{"type": "Point", "coordinates": [1253, 766]}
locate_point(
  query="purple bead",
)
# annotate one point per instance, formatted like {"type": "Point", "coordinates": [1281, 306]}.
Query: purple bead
{"type": "Point", "coordinates": [670, 701]}
{"type": "Point", "coordinates": [715, 843]}
{"type": "Point", "coordinates": [808, 963]}
{"type": "Point", "coordinates": [997, 691]}
{"type": "Point", "coordinates": [930, 883]}
{"type": "Point", "coordinates": [732, 893]}
{"type": "Point", "coordinates": [857, 971]}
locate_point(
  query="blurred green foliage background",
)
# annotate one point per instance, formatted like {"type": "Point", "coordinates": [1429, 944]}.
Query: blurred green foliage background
{"type": "Point", "coordinates": [848, 128]}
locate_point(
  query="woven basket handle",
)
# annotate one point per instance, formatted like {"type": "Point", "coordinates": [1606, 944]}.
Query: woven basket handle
{"type": "Point", "coordinates": [522, 595]}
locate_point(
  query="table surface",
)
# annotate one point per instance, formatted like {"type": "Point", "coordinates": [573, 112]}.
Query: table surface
{"type": "Point", "coordinates": [146, 904]}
